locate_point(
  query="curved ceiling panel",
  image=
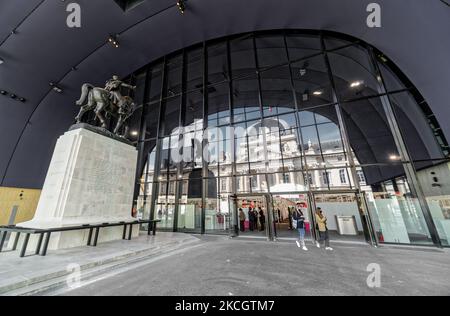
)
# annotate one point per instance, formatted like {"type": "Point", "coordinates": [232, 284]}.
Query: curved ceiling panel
{"type": "Point", "coordinates": [44, 50]}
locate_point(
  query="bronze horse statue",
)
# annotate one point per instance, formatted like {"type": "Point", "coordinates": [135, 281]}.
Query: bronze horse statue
{"type": "Point", "coordinates": [102, 103]}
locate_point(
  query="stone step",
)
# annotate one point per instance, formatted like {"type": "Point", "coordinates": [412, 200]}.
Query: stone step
{"type": "Point", "coordinates": [57, 278]}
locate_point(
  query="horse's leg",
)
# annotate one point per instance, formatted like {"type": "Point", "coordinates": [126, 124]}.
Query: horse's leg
{"type": "Point", "coordinates": [119, 124]}
{"type": "Point", "coordinates": [83, 110]}
{"type": "Point", "coordinates": [99, 114]}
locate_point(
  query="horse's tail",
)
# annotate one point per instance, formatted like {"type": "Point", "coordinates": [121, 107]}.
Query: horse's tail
{"type": "Point", "coordinates": [84, 93]}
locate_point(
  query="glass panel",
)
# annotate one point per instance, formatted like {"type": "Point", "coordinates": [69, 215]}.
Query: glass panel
{"type": "Point", "coordinates": [277, 91]}
{"type": "Point", "coordinates": [190, 209]}
{"type": "Point", "coordinates": [194, 110]}
{"type": "Point", "coordinates": [271, 51]}
{"type": "Point", "coordinates": [171, 115]}
{"type": "Point", "coordinates": [312, 82]}
{"type": "Point", "coordinates": [152, 119]}
{"type": "Point", "coordinates": [396, 212]}
{"type": "Point", "coordinates": [342, 214]}
{"type": "Point", "coordinates": [164, 210]}
{"type": "Point", "coordinates": [391, 81]}
{"type": "Point", "coordinates": [246, 100]}
{"type": "Point", "coordinates": [217, 63]}
{"type": "Point", "coordinates": [194, 69]}
{"type": "Point", "coordinates": [352, 73]}
{"type": "Point", "coordinates": [174, 76]}
{"type": "Point", "coordinates": [417, 134]}
{"type": "Point", "coordinates": [335, 43]}
{"type": "Point", "coordinates": [243, 184]}
{"type": "Point", "coordinates": [369, 133]}
{"type": "Point", "coordinates": [330, 138]}
{"type": "Point", "coordinates": [301, 46]}
{"type": "Point", "coordinates": [218, 105]}
{"type": "Point", "coordinates": [218, 216]}
{"type": "Point", "coordinates": [242, 57]}
{"type": "Point", "coordinates": [285, 182]}
{"type": "Point", "coordinates": [436, 187]}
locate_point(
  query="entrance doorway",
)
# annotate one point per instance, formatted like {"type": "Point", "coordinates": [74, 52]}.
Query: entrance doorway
{"type": "Point", "coordinates": [346, 212]}
{"type": "Point", "coordinates": [284, 205]}
{"type": "Point", "coordinates": [254, 215]}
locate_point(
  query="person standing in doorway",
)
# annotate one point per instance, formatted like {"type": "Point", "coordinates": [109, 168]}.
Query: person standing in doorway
{"type": "Point", "coordinates": [321, 221]}
{"type": "Point", "coordinates": [251, 219]}
{"type": "Point", "coordinates": [290, 216]}
{"type": "Point", "coordinates": [299, 217]}
{"type": "Point", "coordinates": [255, 219]}
{"type": "Point", "coordinates": [262, 220]}
{"type": "Point", "coordinates": [242, 219]}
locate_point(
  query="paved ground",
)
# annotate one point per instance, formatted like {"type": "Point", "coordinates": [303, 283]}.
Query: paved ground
{"type": "Point", "coordinates": [22, 273]}
{"type": "Point", "coordinates": [219, 266]}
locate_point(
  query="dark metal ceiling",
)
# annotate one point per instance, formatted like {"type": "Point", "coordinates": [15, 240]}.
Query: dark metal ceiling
{"type": "Point", "coordinates": [43, 49]}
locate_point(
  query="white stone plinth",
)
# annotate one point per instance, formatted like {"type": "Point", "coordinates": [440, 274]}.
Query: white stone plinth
{"type": "Point", "coordinates": [90, 181]}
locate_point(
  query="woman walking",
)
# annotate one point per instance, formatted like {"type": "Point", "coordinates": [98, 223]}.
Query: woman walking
{"type": "Point", "coordinates": [321, 221]}
{"type": "Point", "coordinates": [299, 217]}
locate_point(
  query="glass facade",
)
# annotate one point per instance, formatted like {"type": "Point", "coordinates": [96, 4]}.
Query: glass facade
{"type": "Point", "coordinates": [284, 114]}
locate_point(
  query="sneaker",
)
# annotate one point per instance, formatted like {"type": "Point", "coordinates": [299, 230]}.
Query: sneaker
{"type": "Point", "coordinates": [318, 245]}
{"type": "Point", "coordinates": [329, 249]}
{"type": "Point", "coordinates": [304, 248]}
{"type": "Point", "coordinates": [298, 243]}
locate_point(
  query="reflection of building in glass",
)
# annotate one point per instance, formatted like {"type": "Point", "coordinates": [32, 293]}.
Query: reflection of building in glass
{"type": "Point", "coordinates": [283, 117]}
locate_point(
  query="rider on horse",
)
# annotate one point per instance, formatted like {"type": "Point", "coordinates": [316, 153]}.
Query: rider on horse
{"type": "Point", "coordinates": [113, 87]}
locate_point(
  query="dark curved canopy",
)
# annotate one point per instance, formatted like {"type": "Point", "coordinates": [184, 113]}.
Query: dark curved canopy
{"type": "Point", "coordinates": [42, 49]}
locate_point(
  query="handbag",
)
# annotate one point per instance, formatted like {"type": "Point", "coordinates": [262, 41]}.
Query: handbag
{"type": "Point", "coordinates": [294, 223]}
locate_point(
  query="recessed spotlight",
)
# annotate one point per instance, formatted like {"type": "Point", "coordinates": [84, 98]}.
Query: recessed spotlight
{"type": "Point", "coordinates": [55, 87]}
{"type": "Point", "coordinates": [2, 61]}
{"type": "Point", "coordinates": [181, 6]}
{"type": "Point", "coordinates": [318, 92]}
{"type": "Point", "coordinates": [3, 92]}
{"type": "Point", "coordinates": [113, 41]}
{"type": "Point", "coordinates": [356, 84]}
{"type": "Point", "coordinates": [13, 96]}
{"type": "Point", "coordinates": [134, 133]}
{"type": "Point", "coordinates": [394, 157]}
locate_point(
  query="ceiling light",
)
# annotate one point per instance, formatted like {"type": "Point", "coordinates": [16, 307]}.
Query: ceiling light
{"type": "Point", "coordinates": [181, 6]}
{"type": "Point", "coordinates": [356, 84]}
{"type": "Point", "coordinates": [394, 157]}
{"type": "Point", "coordinates": [3, 92]}
{"type": "Point", "coordinates": [2, 61]}
{"type": "Point", "coordinates": [134, 133]}
{"type": "Point", "coordinates": [113, 41]}
{"type": "Point", "coordinates": [318, 92]}
{"type": "Point", "coordinates": [55, 87]}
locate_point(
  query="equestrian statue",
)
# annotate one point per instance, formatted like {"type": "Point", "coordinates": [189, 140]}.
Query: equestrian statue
{"type": "Point", "coordinates": [106, 102]}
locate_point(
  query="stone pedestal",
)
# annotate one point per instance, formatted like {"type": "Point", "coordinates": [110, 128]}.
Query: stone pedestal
{"type": "Point", "coordinates": [90, 181]}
